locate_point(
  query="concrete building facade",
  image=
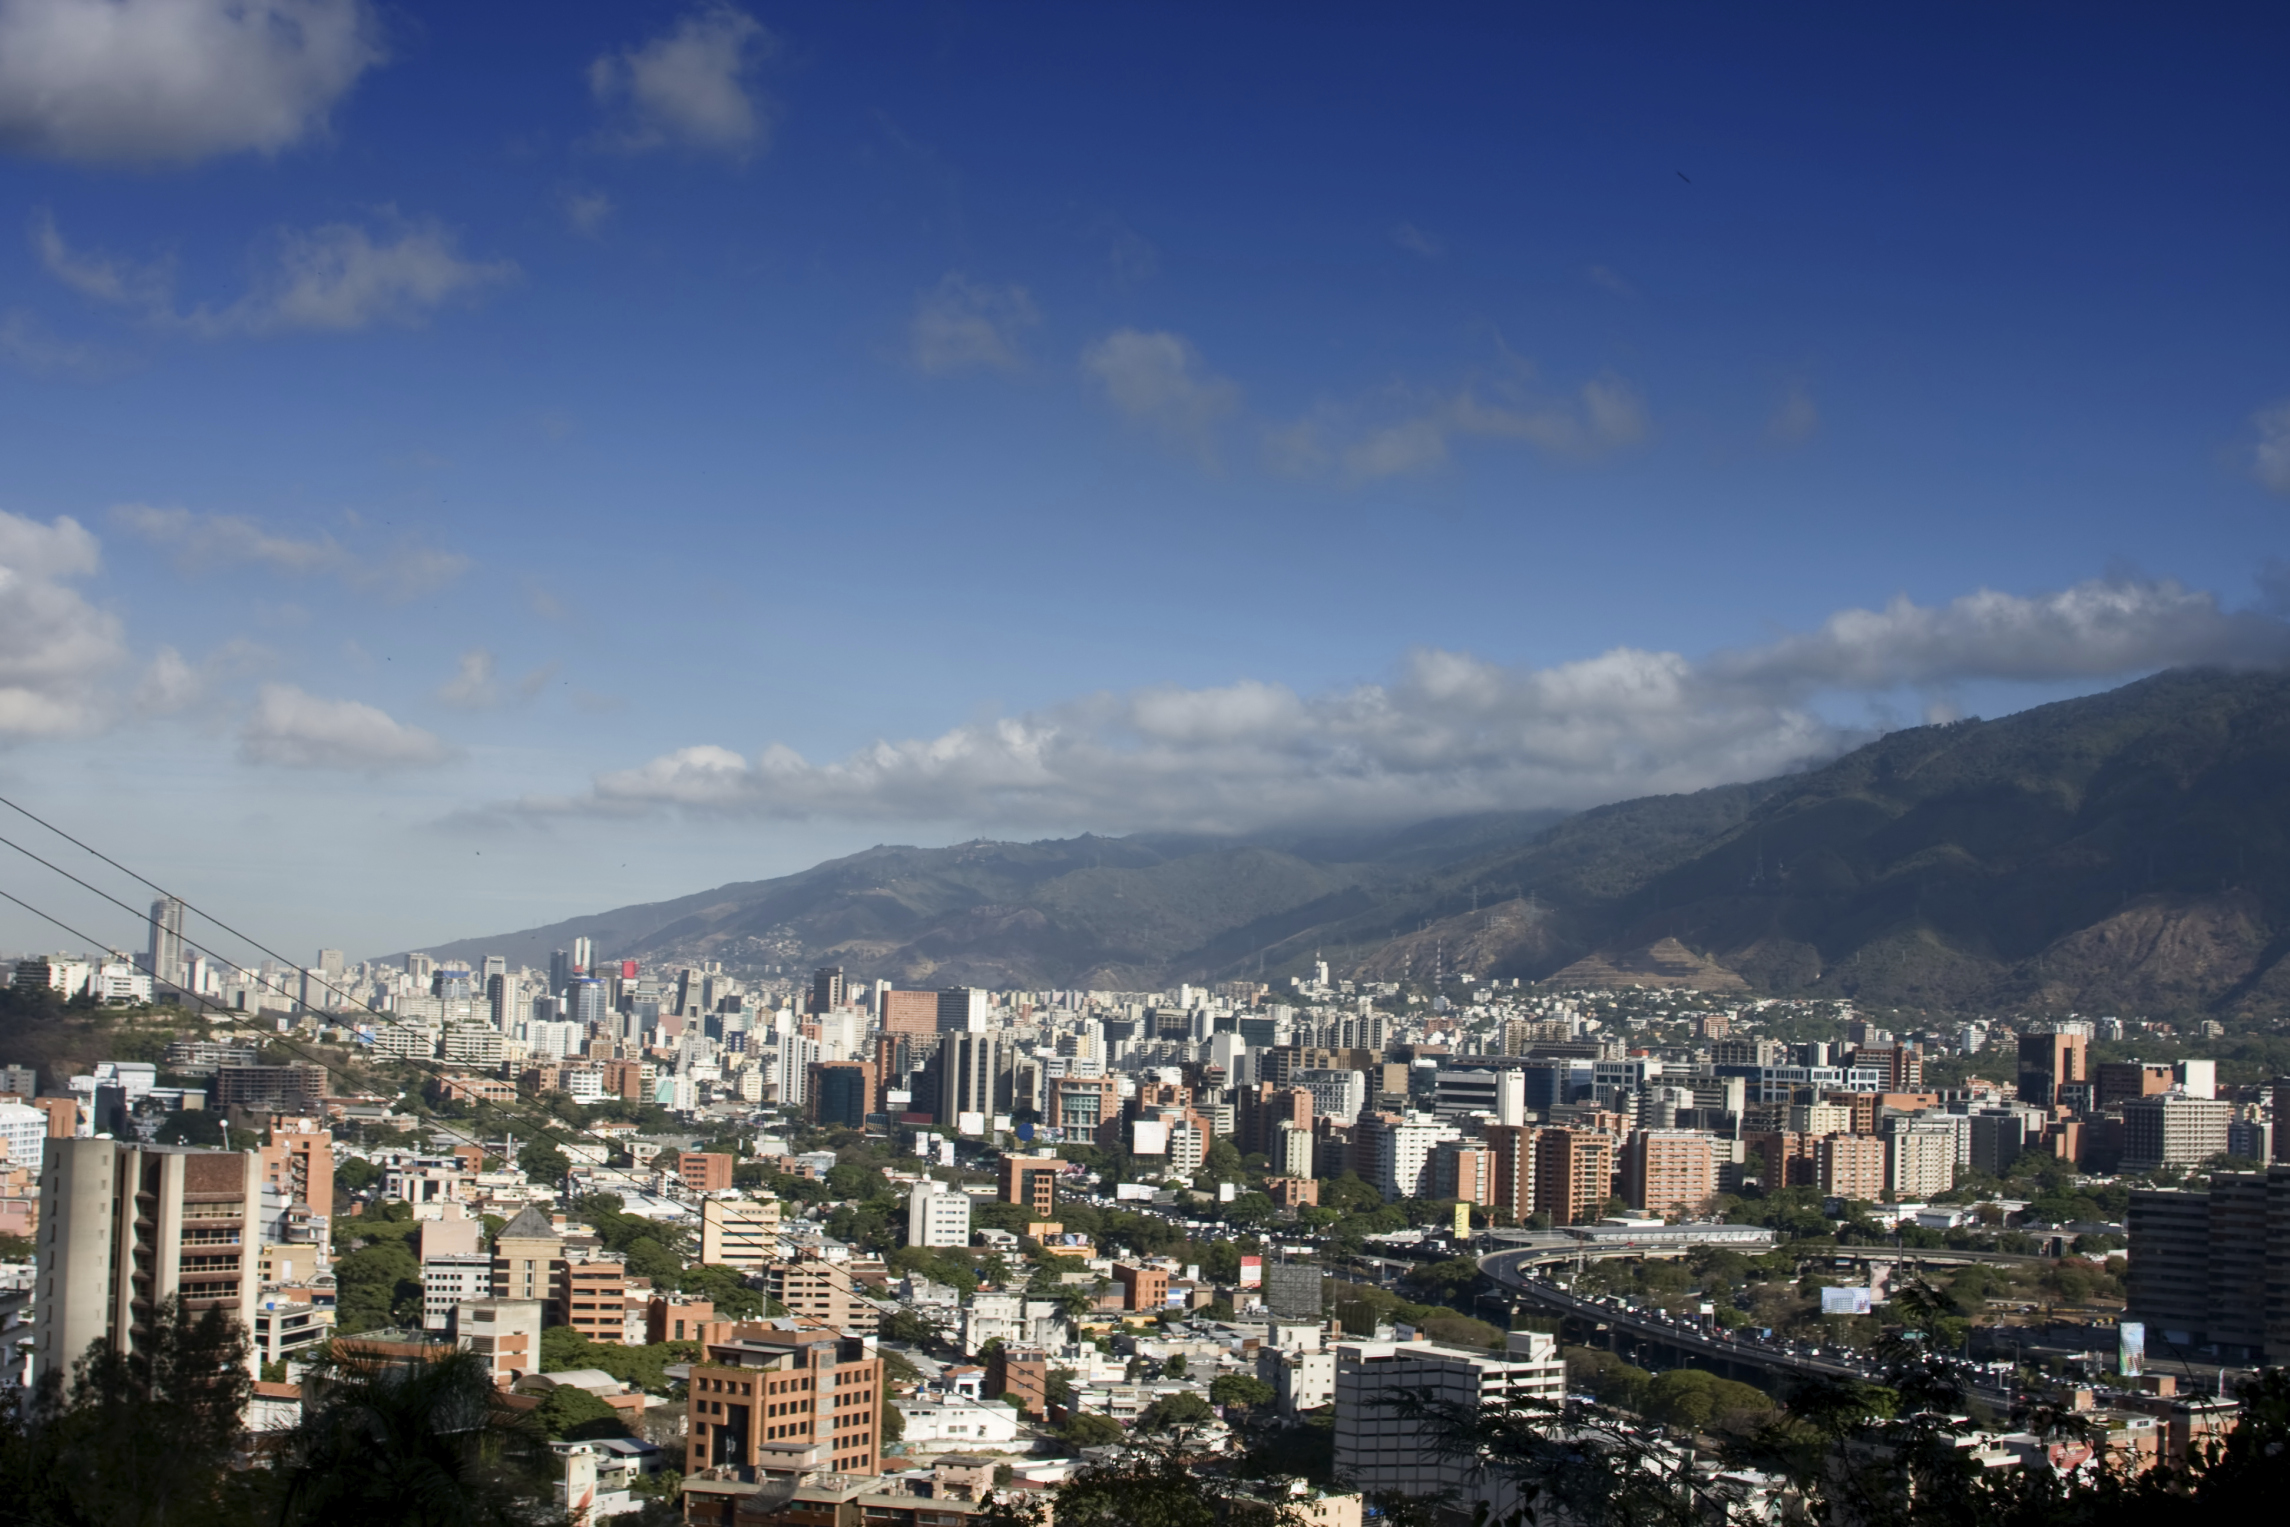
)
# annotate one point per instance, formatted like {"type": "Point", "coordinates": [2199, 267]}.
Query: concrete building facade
{"type": "Point", "coordinates": [125, 1227]}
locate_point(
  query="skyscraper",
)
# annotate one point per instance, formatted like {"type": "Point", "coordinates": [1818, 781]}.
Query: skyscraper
{"type": "Point", "coordinates": [583, 956]}
{"type": "Point", "coordinates": [962, 1010]}
{"type": "Point", "coordinates": [560, 972]}
{"type": "Point", "coordinates": [164, 959]}
{"type": "Point", "coordinates": [826, 988]}
{"type": "Point", "coordinates": [970, 1077]}
{"type": "Point", "coordinates": [2050, 1054]}
{"type": "Point", "coordinates": [587, 1003]}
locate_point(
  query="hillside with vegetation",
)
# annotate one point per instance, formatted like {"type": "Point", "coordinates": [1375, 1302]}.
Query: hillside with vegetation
{"type": "Point", "coordinates": [2125, 850]}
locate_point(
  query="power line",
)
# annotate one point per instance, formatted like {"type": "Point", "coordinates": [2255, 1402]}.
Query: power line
{"type": "Point", "coordinates": [203, 949]}
{"type": "Point", "coordinates": [317, 1059]}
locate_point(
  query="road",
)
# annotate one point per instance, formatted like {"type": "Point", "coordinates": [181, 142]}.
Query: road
{"type": "Point", "coordinates": [1509, 1270]}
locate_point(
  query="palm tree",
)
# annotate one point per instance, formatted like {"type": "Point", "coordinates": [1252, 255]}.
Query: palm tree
{"type": "Point", "coordinates": [410, 1442]}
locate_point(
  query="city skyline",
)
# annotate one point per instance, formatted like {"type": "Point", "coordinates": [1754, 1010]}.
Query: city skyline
{"type": "Point", "coordinates": [466, 478]}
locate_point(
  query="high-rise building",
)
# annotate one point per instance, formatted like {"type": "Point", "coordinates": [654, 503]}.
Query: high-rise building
{"type": "Point", "coordinates": [1671, 1172]}
{"type": "Point", "coordinates": [2172, 1129]}
{"type": "Point", "coordinates": [1920, 1160]}
{"type": "Point", "coordinates": [583, 957]}
{"type": "Point", "coordinates": [2051, 1054]}
{"type": "Point", "coordinates": [1387, 1437]}
{"type": "Point", "coordinates": [937, 1214]}
{"type": "Point", "coordinates": [560, 972]}
{"type": "Point", "coordinates": [841, 1093]}
{"type": "Point", "coordinates": [331, 964]}
{"type": "Point", "coordinates": [525, 1254]}
{"type": "Point", "coordinates": [970, 1077]}
{"type": "Point", "coordinates": [587, 1003]}
{"type": "Point", "coordinates": [296, 1089]}
{"type": "Point", "coordinates": [164, 958]}
{"type": "Point", "coordinates": [298, 1163]}
{"type": "Point", "coordinates": [826, 988]}
{"type": "Point", "coordinates": [1403, 1156]}
{"type": "Point", "coordinates": [963, 1010]}
{"type": "Point", "coordinates": [1850, 1167]}
{"type": "Point", "coordinates": [2213, 1269]}
{"type": "Point", "coordinates": [738, 1232]}
{"type": "Point", "coordinates": [774, 1406]}
{"type": "Point", "coordinates": [124, 1227]}
{"type": "Point", "coordinates": [1029, 1181]}
{"type": "Point", "coordinates": [1574, 1174]}
{"type": "Point", "coordinates": [906, 1012]}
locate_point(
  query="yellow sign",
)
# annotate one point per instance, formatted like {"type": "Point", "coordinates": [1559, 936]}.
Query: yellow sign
{"type": "Point", "coordinates": [1462, 1222]}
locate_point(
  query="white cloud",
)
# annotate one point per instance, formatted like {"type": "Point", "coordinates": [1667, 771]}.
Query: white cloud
{"type": "Point", "coordinates": [175, 81]}
{"type": "Point", "coordinates": [206, 542]}
{"type": "Point", "coordinates": [169, 685]}
{"type": "Point", "coordinates": [587, 211]}
{"type": "Point", "coordinates": [26, 344]}
{"type": "Point", "coordinates": [473, 686]}
{"type": "Point", "coordinates": [2270, 457]}
{"type": "Point", "coordinates": [1157, 379]}
{"type": "Point", "coordinates": [1796, 420]}
{"type": "Point", "coordinates": [2095, 630]}
{"type": "Point", "coordinates": [960, 323]}
{"type": "Point", "coordinates": [1608, 279]}
{"type": "Point", "coordinates": [55, 647]}
{"type": "Point", "coordinates": [298, 730]}
{"type": "Point", "coordinates": [690, 86]}
{"type": "Point", "coordinates": [1414, 240]}
{"type": "Point", "coordinates": [1449, 732]}
{"type": "Point", "coordinates": [1604, 415]}
{"type": "Point", "coordinates": [335, 279]}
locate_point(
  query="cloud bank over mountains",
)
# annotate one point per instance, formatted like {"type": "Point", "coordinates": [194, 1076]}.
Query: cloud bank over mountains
{"type": "Point", "coordinates": [1450, 732]}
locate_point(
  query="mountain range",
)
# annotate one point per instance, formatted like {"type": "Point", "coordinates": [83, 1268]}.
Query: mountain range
{"type": "Point", "coordinates": [2120, 852]}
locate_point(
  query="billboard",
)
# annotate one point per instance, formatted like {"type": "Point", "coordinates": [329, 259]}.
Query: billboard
{"type": "Point", "coordinates": [1124, 1192]}
{"type": "Point", "coordinates": [1844, 1301]}
{"type": "Point", "coordinates": [2130, 1349]}
{"type": "Point", "coordinates": [1149, 1137]}
{"type": "Point", "coordinates": [1462, 1222]}
{"type": "Point", "coordinates": [1292, 1289]}
{"type": "Point", "coordinates": [1252, 1272]}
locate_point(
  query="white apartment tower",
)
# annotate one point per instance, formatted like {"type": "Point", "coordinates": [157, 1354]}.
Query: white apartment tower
{"type": "Point", "coordinates": [937, 1214]}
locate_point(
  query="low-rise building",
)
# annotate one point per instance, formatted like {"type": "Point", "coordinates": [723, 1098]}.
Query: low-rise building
{"type": "Point", "coordinates": [952, 1421]}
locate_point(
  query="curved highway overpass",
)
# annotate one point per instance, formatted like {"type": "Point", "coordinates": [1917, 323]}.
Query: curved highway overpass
{"type": "Point", "coordinates": [1510, 1271]}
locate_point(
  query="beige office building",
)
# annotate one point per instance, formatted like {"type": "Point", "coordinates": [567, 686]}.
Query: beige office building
{"type": "Point", "coordinates": [738, 1232]}
{"type": "Point", "coordinates": [126, 1226]}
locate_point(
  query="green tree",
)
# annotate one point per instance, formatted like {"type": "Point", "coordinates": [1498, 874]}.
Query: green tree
{"type": "Point", "coordinates": [137, 1437]}
{"type": "Point", "coordinates": [543, 1162]}
{"type": "Point", "coordinates": [193, 1127]}
{"type": "Point", "coordinates": [377, 1285]}
{"type": "Point", "coordinates": [409, 1444]}
{"type": "Point", "coordinates": [570, 1414]}
{"type": "Point", "coordinates": [1175, 1366]}
{"type": "Point", "coordinates": [1086, 1429]}
{"type": "Point", "coordinates": [1240, 1389]}
{"type": "Point", "coordinates": [1175, 1412]}
{"type": "Point", "coordinates": [647, 1258]}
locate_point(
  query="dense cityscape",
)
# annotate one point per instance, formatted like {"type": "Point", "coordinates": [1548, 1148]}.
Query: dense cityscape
{"type": "Point", "coordinates": [1137, 765]}
{"type": "Point", "coordinates": [983, 1240]}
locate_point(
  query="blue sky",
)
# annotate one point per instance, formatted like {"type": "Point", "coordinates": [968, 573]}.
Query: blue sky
{"type": "Point", "coordinates": [518, 468]}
